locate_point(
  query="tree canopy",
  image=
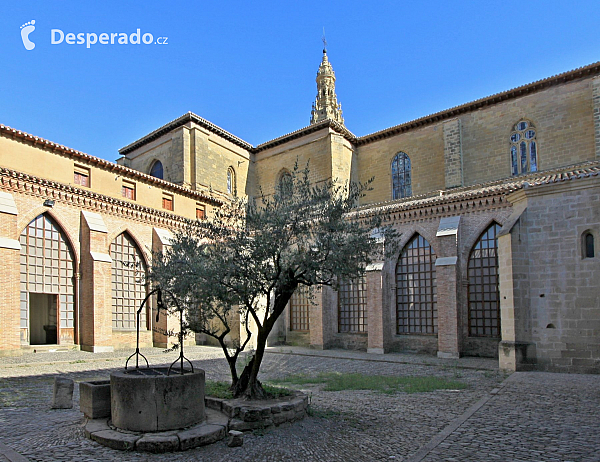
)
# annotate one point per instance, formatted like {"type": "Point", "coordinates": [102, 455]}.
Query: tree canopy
{"type": "Point", "coordinates": [246, 262]}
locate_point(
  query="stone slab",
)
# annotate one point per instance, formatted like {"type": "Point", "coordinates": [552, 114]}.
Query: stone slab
{"type": "Point", "coordinates": [62, 396]}
{"type": "Point", "coordinates": [201, 435]}
{"type": "Point", "coordinates": [157, 443]}
{"type": "Point", "coordinates": [115, 440]}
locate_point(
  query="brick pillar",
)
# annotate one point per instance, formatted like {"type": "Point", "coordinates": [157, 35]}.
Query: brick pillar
{"type": "Point", "coordinates": [378, 318]}
{"type": "Point", "coordinates": [95, 312]}
{"type": "Point", "coordinates": [161, 241]}
{"type": "Point", "coordinates": [10, 251]}
{"type": "Point", "coordinates": [447, 277]}
{"type": "Point", "coordinates": [453, 168]}
{"type": "Point", "coordinates": [596, 113]}
{"type": "Point", "coordinates": [321, 318]}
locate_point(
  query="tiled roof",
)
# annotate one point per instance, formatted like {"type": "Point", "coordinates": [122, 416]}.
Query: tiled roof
{"type": "Point", "coordinates": [538, 85]}
{"type": "Point", "coordinates": [336, 126]}
{"type": "Point", "coordinates": [185, 118]}
{"type": "Point", "coordinates": [505, 186]}
{"type": "Point", "coordinates": [105, 164]}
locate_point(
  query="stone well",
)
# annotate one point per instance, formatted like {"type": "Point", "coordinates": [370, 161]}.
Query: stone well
{"type": "Point", "coordinates": [149, 400]}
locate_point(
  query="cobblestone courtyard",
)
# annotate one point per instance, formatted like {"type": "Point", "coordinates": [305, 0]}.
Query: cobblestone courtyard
{"type": "Point", "coordinates": [527, 416]}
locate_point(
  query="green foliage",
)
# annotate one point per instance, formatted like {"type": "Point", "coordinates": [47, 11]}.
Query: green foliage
{"type": "Point", "coordinates": [222, 390]}
{"type": "Point", "coordinates": [248, 259]}
{"type": "Point", "coordinates": [335, 381]}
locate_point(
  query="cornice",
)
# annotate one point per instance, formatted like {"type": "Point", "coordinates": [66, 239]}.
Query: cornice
{"type": "Point", "coordinates": [127, 172]}
{"type": "Point", "coordinates": [12, 180]}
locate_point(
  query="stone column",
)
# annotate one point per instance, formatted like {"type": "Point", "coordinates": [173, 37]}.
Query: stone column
{"type": "Point", "coordinates": [378, 318]}
{"type": "Point", "coordinates": [10, 251]}
{"type": "Point", "coordinates": [514, 351]}
{"type": "Point", "coordinates": [447, 277]}
{"type": "Point", "coordinates": [96, 298]}
{"type": "Point", "coordinates": [321, 318]}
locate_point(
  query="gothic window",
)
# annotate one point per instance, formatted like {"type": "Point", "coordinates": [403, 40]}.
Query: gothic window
{"type": "Point", "coordinates": [588, 245]}
{"type": "Point", "coordinates": [231, 185]}
{"type": "Point", "coordinates": [352, 306]}
{"type": "Point", "coordinates": [157, 169]}
{"type": "Point", "coordinates": [484, 297]}
{"type": "Point", "coordinates": [285, 184]}
{"type": "Point", "coordinates": [47, 269]}
{"type": "Point", "coordinates": [401, 175]}
{"type": "Point", "coordinates": [523, 148]}
{"type": "Point", "coordinates": [416, 290]}
{"type": "Point", "coordinates": [128, 283]}
{"type": "Point", "coordinates": [299, 308]}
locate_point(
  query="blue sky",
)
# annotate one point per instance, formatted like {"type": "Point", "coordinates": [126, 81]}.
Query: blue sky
{"type": "Point", "coordinates": [250, 67]}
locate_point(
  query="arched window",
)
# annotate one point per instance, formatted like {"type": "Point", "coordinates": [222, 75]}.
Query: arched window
{"type": "Point", "coordinates": [231, 186]}
{"type": "Point", "coordinates": [401, 184]}
{"type": "Point", "coordinates": [47, 283]}
{"type": "Point", "coordinates": [523, 148]}
{"type": "Point", "coordinates": [352, 306]}
{"type": "Point", "coordinates": [299, 309]}
{"type": "Point", "coordinates": [128, 283]}
{"type": "Point", "coordinates": [588, 245]}
{"type": "Point", "coordinates": [157, 169]}
{"type": "Point", "coordinates": [484, 297]}
{"type": "Point", "coordinates": [416, 290]}
{"type": "Point", "coordinates": [285, 184]}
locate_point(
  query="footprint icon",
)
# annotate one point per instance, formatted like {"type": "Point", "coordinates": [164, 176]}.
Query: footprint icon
{"type": "Point", "coordinates": [27, 29]}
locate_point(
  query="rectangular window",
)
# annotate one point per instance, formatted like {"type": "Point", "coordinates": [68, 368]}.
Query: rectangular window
{"type": "Point", "coordinates": [352, 306]}
{"type": "Point", "coordinates": [200, 212]}
{"type": "Point", "coordinates": [81, 176]}
{"type": "Point", "coordinates": [167, 202]}
{"type": "Point", "coordinates": [128, 190]}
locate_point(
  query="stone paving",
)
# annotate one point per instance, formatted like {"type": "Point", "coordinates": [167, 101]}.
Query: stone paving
{"type": "Point", "coordinates": [529, 416]}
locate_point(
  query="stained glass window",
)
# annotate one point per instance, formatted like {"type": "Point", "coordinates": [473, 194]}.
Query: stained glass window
{"type": "Point", "coordinates": [523, 148]}
{"type": "Point", "coordinates": [157, 170]}
{"type": "Point", "coordinates": [401, 176]}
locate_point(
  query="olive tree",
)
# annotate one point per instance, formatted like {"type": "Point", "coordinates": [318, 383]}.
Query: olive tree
{"type": "Point", "coordinates": [247, 260]}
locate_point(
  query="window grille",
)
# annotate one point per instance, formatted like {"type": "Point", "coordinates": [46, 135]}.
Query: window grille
{"type": "Point", "coordinates": [128, 283]}
{"type": "Point", "coordinates": [352, 306]}
{"type": "Point", "coordinates": [416, 290]}
{"type": "Point", "coordinates": [299, 310]}
{"type": "Point", "coordinates": [484, 296]}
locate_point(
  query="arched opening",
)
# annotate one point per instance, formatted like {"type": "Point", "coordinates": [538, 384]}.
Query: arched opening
{"type": "Point", "coordinates": [128, 283]}
{"type": "Point", "coordinates": [285, 184]}
{"type": "Point", "coordinates": [588, 245]}
{"type": "Point", "coordinates": [416, 289]}
{"type": "Point", "coordinates": [157, 170]}
{"type": "Point", "coordinates": [484, 295]}
{"type": "Point", "coordinates": [231, 183]}
{"type": "Point", "coordinates": [47, 284]}
{"type": "Point", "coordinates": [523, 148]}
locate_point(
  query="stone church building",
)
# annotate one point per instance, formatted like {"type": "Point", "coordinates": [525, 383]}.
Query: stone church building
{"type": "Point", "coordinates": [497, 202]}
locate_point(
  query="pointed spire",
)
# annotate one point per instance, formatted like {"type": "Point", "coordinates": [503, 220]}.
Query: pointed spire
{"type": "Point", "coordinates": [326, 105]}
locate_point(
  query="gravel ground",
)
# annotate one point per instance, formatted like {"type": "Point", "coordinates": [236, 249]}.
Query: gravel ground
{"type": "Point", "coordinates": [530, 416]}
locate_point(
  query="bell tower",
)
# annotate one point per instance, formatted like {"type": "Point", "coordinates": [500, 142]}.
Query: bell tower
{"type": "Point", "coordinates": [326, 105]}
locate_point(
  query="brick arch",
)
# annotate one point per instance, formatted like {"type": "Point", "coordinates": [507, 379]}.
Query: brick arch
{"type": "Point", "coordinates": [26, 218]}
{"type": "Point", "coordinates": [468, 243]}
{"type": "Point", "coordinates": [128, 284]}
{"type": "Point", "coordinates": [428, 234]}
{"type": "Point", "coordinates": [138, 242]}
